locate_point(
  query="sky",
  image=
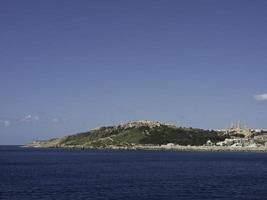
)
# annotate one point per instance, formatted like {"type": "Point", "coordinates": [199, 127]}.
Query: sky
{"type": "Point", "coordinates": [69, 66]}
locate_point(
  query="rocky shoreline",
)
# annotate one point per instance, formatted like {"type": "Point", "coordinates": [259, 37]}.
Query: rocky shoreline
{"type": "Point", "coordinates": [164, 148]}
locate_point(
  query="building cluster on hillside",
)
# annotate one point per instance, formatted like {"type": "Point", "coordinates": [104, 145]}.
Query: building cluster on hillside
{"type": "Point", "coordinates": [242, 136]}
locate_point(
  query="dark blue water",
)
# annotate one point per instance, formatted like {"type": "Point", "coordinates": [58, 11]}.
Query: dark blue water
{"type": "Point", "coordinates": [65, 174]}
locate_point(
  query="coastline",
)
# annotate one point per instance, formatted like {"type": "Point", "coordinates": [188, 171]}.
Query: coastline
{"type": "Point", "coordinates": [162, 148]}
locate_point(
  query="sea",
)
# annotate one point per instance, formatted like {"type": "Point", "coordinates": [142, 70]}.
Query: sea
{"type": "Point", "coordinates": [61, 174]}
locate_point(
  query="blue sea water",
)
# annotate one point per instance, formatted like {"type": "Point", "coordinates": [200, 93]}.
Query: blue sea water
{"type": "Point", "coordinates": [58, 174]}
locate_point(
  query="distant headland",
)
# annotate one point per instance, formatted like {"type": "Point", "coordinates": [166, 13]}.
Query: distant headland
{"type": "Point", "coordinates": [150, 135]}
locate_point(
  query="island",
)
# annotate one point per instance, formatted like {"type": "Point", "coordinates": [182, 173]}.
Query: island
{"type": "Point", "coordinates": [150, 135]}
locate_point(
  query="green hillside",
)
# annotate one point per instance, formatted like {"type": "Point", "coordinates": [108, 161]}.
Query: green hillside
{"type": "Point", "coordinates": [136, 133]}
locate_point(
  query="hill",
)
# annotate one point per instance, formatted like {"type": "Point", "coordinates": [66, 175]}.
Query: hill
{"type": "Point", "coordinates": [135, 133]}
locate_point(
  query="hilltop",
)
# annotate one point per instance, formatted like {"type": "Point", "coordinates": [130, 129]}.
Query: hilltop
{"type": "Point", "coordinates": [135, 133]}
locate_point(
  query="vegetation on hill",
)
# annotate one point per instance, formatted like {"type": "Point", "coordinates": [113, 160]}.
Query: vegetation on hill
{"type": "Point", "coordinates": [137, 133]}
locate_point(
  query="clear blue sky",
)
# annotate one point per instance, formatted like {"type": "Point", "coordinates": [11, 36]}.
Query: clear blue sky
{"type": "Point", "coordinates": [69, 66]}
